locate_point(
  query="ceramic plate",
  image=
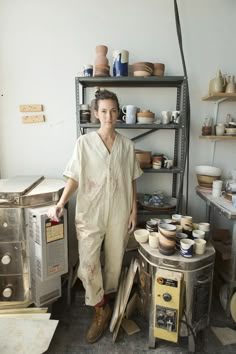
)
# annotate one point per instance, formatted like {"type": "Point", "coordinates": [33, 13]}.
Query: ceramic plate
{"type": "Point", "coordinates": [169, 203]}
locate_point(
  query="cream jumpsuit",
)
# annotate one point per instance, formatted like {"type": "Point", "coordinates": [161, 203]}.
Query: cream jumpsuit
{"type": "Point", "coordinates": [103, 206]}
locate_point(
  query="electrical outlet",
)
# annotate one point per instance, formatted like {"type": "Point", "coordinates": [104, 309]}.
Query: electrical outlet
{"type": "Point", "coordinates": [33, 119]}
{"type": "Point", "coordinates": [31, 108]}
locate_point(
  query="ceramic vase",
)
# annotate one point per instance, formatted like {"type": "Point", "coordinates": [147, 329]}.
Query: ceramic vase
{"type": "Point", "coordinates": [120, 62]}
{"type": "Point", "coordinates": [101, 62]}
{"type": "Point", "coordinates": [217, 84]}
{"type": "Point", "coordinates": [230, 87]}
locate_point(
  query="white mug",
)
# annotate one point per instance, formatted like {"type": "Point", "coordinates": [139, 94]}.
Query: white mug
{"type": "Point", "coordinates": [217, 184]}
{"type": "Point", "coordinates": [204, 226]}
{"type": "Point", "coordinates": [198, 234]}
{"type": "Point", "coordinates": [220, 129]}
{"type": "Point", "coordinates": [166, 117]}
{"type": "Point", "coordinates": [154, 239]}
{"type": "Point", "coordinates": [130, 112]}
{"type": "Point", "coordinates": [200, 246]}
{"type": "Point", "coordinates": [216, 193]}
{"type": "Point", "coordinates": [175, 117]}
{"type": "Point", "coordinates": [186, 247]}
{"type": "Point", "coordinates": [168, 163]}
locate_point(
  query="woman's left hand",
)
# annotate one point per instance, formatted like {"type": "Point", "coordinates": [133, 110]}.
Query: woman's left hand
{"type": "Point", "coordinates": [132, 222]}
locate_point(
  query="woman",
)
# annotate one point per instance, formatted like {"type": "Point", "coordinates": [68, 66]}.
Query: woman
{"type": "Point", "coordinates": [104, 169]}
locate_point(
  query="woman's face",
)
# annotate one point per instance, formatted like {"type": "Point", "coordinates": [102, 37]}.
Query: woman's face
{"type": "Point", "coordinates": [107, 113]}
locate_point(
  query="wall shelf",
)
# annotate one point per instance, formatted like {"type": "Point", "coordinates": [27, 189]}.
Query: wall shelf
{"type": "Point", "coordinates": [134, 126]}
{"type": "Point", "coordinates": [218, 137]}
{"type": "Point", "coordinates": [220, 96]}
{"type": "Point", "coordinates": [131, 81]}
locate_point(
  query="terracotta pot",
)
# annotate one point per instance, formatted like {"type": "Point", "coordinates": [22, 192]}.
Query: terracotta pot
{"type": "Point", "coordinates": [101, 60]}
{"type": "Point", "coordinates": [143, 156]}
{"type": "Point", "coordinates": [101, 50]}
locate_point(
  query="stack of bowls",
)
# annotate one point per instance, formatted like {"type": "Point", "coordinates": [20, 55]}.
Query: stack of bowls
{"type": "Point", "coordinates": [143, 69]}
{"type": "Point", "coordinates": [206, 175]}
{"type": "Point", "coordinates": [152, 225]}
{"type": "Point", "coordinates": [167, 239]}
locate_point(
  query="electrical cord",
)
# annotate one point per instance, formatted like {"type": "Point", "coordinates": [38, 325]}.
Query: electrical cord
{"type": "Point", "coordinates": [187, 123]}
{"type": "Point", "coordinates": [191, 330]}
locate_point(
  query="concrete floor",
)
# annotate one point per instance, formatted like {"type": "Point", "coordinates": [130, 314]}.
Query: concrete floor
{"type": "Point", "coordinates": [74, 320]}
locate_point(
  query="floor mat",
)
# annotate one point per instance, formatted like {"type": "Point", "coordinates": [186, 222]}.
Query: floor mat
{"type": "Point", "coordinates": [225, 335]}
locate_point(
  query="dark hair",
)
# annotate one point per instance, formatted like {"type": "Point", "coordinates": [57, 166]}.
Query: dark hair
{"type": "Point", "coordinates": [105, 95]}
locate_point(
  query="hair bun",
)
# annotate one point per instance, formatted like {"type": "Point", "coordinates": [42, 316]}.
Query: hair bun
{"type": "Point", "coordinates": [97, 92]}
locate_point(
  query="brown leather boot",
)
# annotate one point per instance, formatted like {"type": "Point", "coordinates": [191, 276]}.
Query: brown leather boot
{"type": "Point", "coordinates": [99, 323]}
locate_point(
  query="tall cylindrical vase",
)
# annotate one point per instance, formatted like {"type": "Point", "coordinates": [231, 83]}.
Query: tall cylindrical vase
{"type": "Point", "coordinates": [120, 62]}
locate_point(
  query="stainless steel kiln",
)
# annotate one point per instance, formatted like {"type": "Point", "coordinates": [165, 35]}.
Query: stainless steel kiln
{"type": "Point", "coordinates": [33, 249]}
{"type": "Point", "coordinates": [175, 293]}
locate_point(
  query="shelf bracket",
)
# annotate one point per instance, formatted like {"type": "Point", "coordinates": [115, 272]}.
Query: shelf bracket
{"type": "Point", "coordinates": [143, 134]}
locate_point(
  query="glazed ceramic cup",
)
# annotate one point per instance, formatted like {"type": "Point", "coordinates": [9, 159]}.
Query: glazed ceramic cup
{"type": "Point", "coordinates": [120, 62]}
{"type": "Point", "coordinates": [187, 223]}
{"type": "Point", "coordinates": [130, 112]}
{"type": "Point", "coordinates": [168, 163]}
{"type": "Point", "coordinates": [166, 117]}
{"type": "Point", "coordinates": [154, 239]}
{"type": "Point", "coordinates": [186, 247]}
{"type": "Point", "coordinates": [175, 117]}
{"type": "Point", "coordinates": [217, 184]}
{"type": "Point", "coordinates": [204, 226]}
{"type": "Point", "coordinates": [88, 70]}
{"type": "Point", "coordinates": [200, 246]}
{"type": "Point", "coordinates": [180, 236]}
{"type": "Point", "coordinates": [197, 234]}
{"type": "Point", "coordinates": [177, 218]}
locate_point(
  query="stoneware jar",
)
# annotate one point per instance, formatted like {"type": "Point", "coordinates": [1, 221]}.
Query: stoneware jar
{"type": "Point", "coordinates": [120, 62]}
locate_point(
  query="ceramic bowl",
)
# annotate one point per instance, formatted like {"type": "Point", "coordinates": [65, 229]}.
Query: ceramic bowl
{"type": "Point", "coordinates": [141, 73]}
{"type": "Point", "coordinates": [208, 170]}
{"type": "Point", "coordinates": [230, 131]}
{"type": "Point", "coordinates": [203, 180]}
{"type": "Point", "coordinates": [159, 69]}
{"type": "Point", "coordinates": [166, 221]}
{"type": "Point", "coordinates": [143, 69]}
{"type": "Point", "coordinates": [144, 120]}
{"type": "Point", "coordinates": [168, 230]}
{"type": "Point", "coordinates": [141, 235]}
{"type": "Point", "coordinates": [146, 114]}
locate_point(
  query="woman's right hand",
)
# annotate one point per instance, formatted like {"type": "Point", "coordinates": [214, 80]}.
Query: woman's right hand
{"type": "Point", "coordinates": [55, 212]}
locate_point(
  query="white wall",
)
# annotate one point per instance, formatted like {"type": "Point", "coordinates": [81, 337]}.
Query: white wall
{"type": "Point", "coordinates": [44, 44]}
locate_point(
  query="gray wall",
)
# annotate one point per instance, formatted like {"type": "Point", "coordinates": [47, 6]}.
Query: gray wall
{"type": "Point", "coordinates": [44, 44]}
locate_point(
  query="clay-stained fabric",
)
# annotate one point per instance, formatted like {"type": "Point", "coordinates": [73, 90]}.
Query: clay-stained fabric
{"type": "Point", "coordinates": [103, 206]}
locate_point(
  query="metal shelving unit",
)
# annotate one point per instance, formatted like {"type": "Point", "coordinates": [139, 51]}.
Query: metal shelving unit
{"type": "Point", "coordinates": [180, 130]}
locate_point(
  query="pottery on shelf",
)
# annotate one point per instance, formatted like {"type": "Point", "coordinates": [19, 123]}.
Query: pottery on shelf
{"type": "Point", "coordinates": [217, 84]}
{"type": "Point", "coordinates": [230, 87]}
{"type": "Point", "coordinates": [120, 62]}
{"type": "Point", "coordinates": [102, 67]}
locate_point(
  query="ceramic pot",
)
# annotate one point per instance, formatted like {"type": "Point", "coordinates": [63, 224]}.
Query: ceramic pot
{"type": "Point", "coordinates": [120, 62]}
{"type": "Point", "coordinates": [101, 50]}
{"type": "Point", "coordinates": [217, 84]}
{"type": "Point", "coordinates": [230, 87]}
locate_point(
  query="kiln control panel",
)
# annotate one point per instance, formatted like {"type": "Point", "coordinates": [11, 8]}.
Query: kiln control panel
{"type": "Point", "coordinates": [167, 302]}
